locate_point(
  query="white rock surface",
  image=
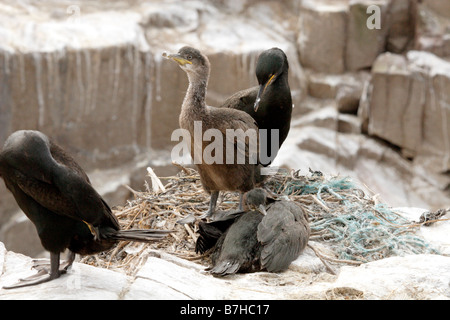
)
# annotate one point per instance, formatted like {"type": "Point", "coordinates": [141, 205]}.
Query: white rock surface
{"type": "Point", "coordinates": [164, 276]}
{"type": "Point", "coordinates": [410, 277]}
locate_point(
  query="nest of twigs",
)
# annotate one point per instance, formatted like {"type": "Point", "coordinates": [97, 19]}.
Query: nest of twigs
{"type": "Point", "coordinates": [160, 207]}
{"type": "Point", "coordinates": [353, 223]}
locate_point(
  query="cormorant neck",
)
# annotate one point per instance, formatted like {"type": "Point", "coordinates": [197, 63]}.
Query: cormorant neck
{"type": "Point", "coordinates": [282, 79]}
{"type": "Point", "coordinates": [194, 101]}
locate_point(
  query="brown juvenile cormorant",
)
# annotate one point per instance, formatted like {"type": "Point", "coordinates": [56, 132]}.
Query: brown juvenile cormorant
{"type": "Point", "coordinates": [57, 196]}
{"type": "Point", "coordinates": [219, 175]}
{"type": "Point", "coordinates": [254, 241]}
{"type": "Point", "coordinates": [269, 103]}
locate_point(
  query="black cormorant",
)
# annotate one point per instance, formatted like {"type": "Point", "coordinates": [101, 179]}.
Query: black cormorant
{"type": "Point", "coordinates": [57, 196]}
{"type": "Point", "coordinates": [269, 103]}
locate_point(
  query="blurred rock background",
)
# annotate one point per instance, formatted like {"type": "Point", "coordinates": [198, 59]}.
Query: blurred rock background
{"type": "Point", "coordinates": [372, 103]}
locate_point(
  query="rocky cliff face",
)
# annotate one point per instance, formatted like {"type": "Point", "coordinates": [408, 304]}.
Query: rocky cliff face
{"type": "Point", "coordinates": [94, 78]}
{"type": "Point", "coordinates": [408, 106]}
{"type": "Point", "coordinates": [370, 87]}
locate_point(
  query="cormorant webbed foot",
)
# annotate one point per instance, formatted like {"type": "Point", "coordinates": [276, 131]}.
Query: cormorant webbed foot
{"type": "Point", "coordinates": [44, 275]}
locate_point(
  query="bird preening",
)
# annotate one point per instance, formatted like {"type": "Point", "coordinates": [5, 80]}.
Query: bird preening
{"type": "Point", "coordinates": [56, 195]}
{"type": "Point", "coordinates": [269, 103]}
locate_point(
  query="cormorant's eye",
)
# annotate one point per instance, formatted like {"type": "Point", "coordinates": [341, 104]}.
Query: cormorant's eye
{"type": "Point", "coordinates": [189, 57]}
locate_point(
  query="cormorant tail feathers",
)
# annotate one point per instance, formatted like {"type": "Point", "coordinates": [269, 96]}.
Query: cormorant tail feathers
{"type": "Point", "coordinates": [145, 235]}
{"type": "Point", "coordinates": [225, 267]}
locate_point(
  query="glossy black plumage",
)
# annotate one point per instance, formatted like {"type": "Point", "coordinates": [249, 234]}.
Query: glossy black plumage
{"type": "Point", "coordinates": [269, 103]}
{"type": "Point", "coordinates": [210, 232]}
{"type": "Point", "coordinates": [253, 241]}
{"type": "Point", "coordinates": [57, 196]}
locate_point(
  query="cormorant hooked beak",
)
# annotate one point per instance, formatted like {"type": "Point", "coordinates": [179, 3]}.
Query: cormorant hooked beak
{"type": "Point", "coordinates": [262, 209]}
{"type": "Point", "coordinates": [94, 231]}
{"type": "Point", "coordinates": [261, 90]}
{"type": "Point", "coordinates": [177, 58]}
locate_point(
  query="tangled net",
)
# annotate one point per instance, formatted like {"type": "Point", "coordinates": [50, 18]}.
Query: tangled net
{"type": "Point", "coordinates": [341, 215]}
{"type": "Point", "coordinates": [355, 225]}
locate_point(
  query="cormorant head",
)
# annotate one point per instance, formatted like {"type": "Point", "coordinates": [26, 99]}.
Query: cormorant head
{"type": "Point", "coordinates": [191, 60]}
{"type": "Point", "coordinates": [271, 64]}
{"type": "Point", "coordinates": [255, 199]}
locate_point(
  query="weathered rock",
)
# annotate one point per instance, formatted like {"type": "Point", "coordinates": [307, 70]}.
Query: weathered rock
{"type": "Point", "coordinates": [439, 6]}
{"type": "Point", "coordinates": [411, 277]}
{"type": "Point", "coordinates": [94, 79]}
{"type": "Point", "coordinates": [315, 142]}
{"type": "Point", "coordinates": [365, 40]}
{"type": "Point", "coordinates": [7, 204]}
{"type": "Point", "coordinates": [376, 26]}
{"type": "Point", "coordinates": [91, 91]}
{"type": "Point", "coordinates": [21, 236]}
{"type": "Point", "coordinates": [322, 39]}
{"type": "Point", "coordinates": [401, 25]}
{"type": "Point", "coordinates": [162, 276]}
{"type": "Point", "coordinates": [433, 27]}
{"type": "Point", "coordinates": [81, 282]}
{"type": "Point", "coordinates": [407, 106]}
{"type": "Point", "coordinates": [345, 89]}
{"type": "Point", "coordinates": [323, 86]}
{"type": "Point", "coordinates": [339, 36]}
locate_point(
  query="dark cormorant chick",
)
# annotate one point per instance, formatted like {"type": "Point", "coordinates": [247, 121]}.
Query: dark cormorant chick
{"type": "Point", "coordinates": [283, 234]}
{"type": "Point", "coordinates": [238, 249]}
{"type": "Point", "coordinates": [57, 196]}
{"type": "Point", "coordinates": [210, 232]}
{"type": "Point", "coordinates": [270, 103]}
{"type": "Point", "coordinates": [221, 175]}
{"type": "Point", "coordinates": [261, 242]}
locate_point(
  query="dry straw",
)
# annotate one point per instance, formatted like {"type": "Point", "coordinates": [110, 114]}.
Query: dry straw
{"type": "Point", "coordinates": [355, 226]}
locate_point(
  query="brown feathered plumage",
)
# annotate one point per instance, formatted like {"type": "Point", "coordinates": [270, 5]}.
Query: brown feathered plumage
{"type": "Point", "coordinates": [220, 174]}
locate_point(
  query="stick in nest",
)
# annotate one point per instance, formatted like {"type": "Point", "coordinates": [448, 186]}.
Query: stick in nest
{"type": "Point", "coordinates": [183, 195]}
